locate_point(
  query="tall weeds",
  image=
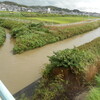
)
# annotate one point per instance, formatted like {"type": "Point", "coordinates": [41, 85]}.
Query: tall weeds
{"type": "Point", "coordinates": [2, 36]}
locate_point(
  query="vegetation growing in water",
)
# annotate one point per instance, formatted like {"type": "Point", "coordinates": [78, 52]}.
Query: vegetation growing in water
{"type": "Point", "coordinates": [2, 36]}
{"type": "Point", "coordinates": [29, 36]}
{"type": "Point", "coordinates": [38, 36]}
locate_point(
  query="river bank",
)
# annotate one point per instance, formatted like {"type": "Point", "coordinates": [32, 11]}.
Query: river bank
{"type": "Point", "coordinates": [29, 36]}
{"type": "Point", "coordinates": [21, 70]}
{"type": "Point", "coordinates": [71, 72]}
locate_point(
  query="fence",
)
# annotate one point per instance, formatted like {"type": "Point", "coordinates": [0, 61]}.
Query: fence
{"type": "Point", "coordinates": [4, 93]}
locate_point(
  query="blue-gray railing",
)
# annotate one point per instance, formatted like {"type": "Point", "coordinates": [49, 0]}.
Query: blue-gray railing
{"type": "Point", "coordinates": [4, 93]}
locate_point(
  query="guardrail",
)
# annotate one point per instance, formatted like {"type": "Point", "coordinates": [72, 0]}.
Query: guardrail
{"type": "Point", "coordinates": [4, 93]}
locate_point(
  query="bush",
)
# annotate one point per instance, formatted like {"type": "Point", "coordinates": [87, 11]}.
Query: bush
{"type": "Point", "coordinates": [73, 59]}
{"type": "Point", "coordinates": [18, 31]}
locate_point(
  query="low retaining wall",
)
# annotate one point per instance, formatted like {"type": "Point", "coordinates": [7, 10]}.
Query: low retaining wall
{"type": "Point", "coordinates": [28, 91]}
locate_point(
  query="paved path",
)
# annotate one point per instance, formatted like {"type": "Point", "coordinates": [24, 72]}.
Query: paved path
{"type": "Point", "coordinates": [87, 21]}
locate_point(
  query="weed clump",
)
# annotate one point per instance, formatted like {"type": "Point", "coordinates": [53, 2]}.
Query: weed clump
{"type": "Point", "coordinates": [73, 59]}
{"type": "Point", "coordinates": [2, 36]}
{"type": "Point", "coordinates": [94, 93]}
{"type": "Point", "coordinates": [30, 35]}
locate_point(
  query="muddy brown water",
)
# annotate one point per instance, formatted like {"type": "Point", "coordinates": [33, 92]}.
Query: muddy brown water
{"type": "Point", "coordinates": [18, 71]}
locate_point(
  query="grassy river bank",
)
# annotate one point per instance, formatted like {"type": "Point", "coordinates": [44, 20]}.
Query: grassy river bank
{"type": "Point", "coordinates": [70, 72]}
{"type": "Point", "coordinates": [29, 35]}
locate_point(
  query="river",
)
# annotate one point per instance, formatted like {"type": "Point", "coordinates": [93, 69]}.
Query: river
{"type": "Point", "coordinates": [18, 71]}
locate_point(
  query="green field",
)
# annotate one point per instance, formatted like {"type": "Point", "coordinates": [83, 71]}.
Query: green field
{"type": "Point", "coordinates": [60, 20]}
{"type": "Point", "coordinates": [30, 33]}
{"type": "Point", "coordinates": [46, 18]}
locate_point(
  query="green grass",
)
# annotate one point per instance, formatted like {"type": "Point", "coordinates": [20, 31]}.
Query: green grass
{"type": "Point", "coordinates": [29, 36]}
{"type": "Point", "coordinates": [49, 18]}
{"type": "Point", "coordinates": [93, 47]}
{"type": "Point", "coordinates": [94, 93]}
{"type": "Point", "coordinates": [2, 36]}
{"type": "Point", "coordinates": [60, 20]}
{"type": "Point", "coordinates": [37, 36]}
{"type": "Point", "coordinates": [75, 59]}
{"type": "Point", "coordinates": [10, 14]}
{"type": "Point", "coordinates": [50, 90]}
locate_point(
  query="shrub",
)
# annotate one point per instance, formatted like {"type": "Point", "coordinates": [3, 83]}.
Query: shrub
{"type": "Point", "coordinates": [73, 59]}
{"type": "Point", "coordinates": [18, 31]}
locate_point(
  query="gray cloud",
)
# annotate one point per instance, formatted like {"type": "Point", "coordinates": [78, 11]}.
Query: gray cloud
{"type": "Point", "coordinates": [85, 5]}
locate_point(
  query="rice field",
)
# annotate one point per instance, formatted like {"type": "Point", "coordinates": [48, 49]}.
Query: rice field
{"type": "Point", "coordinates": [46, 18]}
{"type": "Point", "coordinates": [60, 20]}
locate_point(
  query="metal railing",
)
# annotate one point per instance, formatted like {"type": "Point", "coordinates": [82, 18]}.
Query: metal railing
{"type": "Point", "coordinates": [4, 93]}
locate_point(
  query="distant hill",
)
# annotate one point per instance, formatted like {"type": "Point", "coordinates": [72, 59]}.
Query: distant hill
{"type": "Point", "coordinates": [37, 7]}
{"type": "Point", "coordinates": [12, 6]}
{"type": "Point", "coordinates": [12, 3]}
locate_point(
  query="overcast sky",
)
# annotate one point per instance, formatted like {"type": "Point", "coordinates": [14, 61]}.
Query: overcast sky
{"type": "Point", "coordinates": [84, 5]}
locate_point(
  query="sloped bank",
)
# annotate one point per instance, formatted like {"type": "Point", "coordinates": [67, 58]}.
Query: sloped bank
{"type": "Point", "coordinates": [29, 35]}
{"type": "Point", "coordinates": [80, 66]}
{"type": "Point", "coordinates": [94, 93]}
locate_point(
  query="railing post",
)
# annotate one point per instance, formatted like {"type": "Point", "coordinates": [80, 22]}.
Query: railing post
{"type": "Point", "coordinates": [4, 93]}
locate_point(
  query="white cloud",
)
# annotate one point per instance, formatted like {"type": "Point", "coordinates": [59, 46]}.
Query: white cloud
{"type": "Point", "coordinates": [89, 6]}
{"type": "Point", "coordinates": [85, 5]}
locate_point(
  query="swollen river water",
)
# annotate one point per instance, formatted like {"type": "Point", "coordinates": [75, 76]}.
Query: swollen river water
{"type": "Point", "coordinates": [18, 71]}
